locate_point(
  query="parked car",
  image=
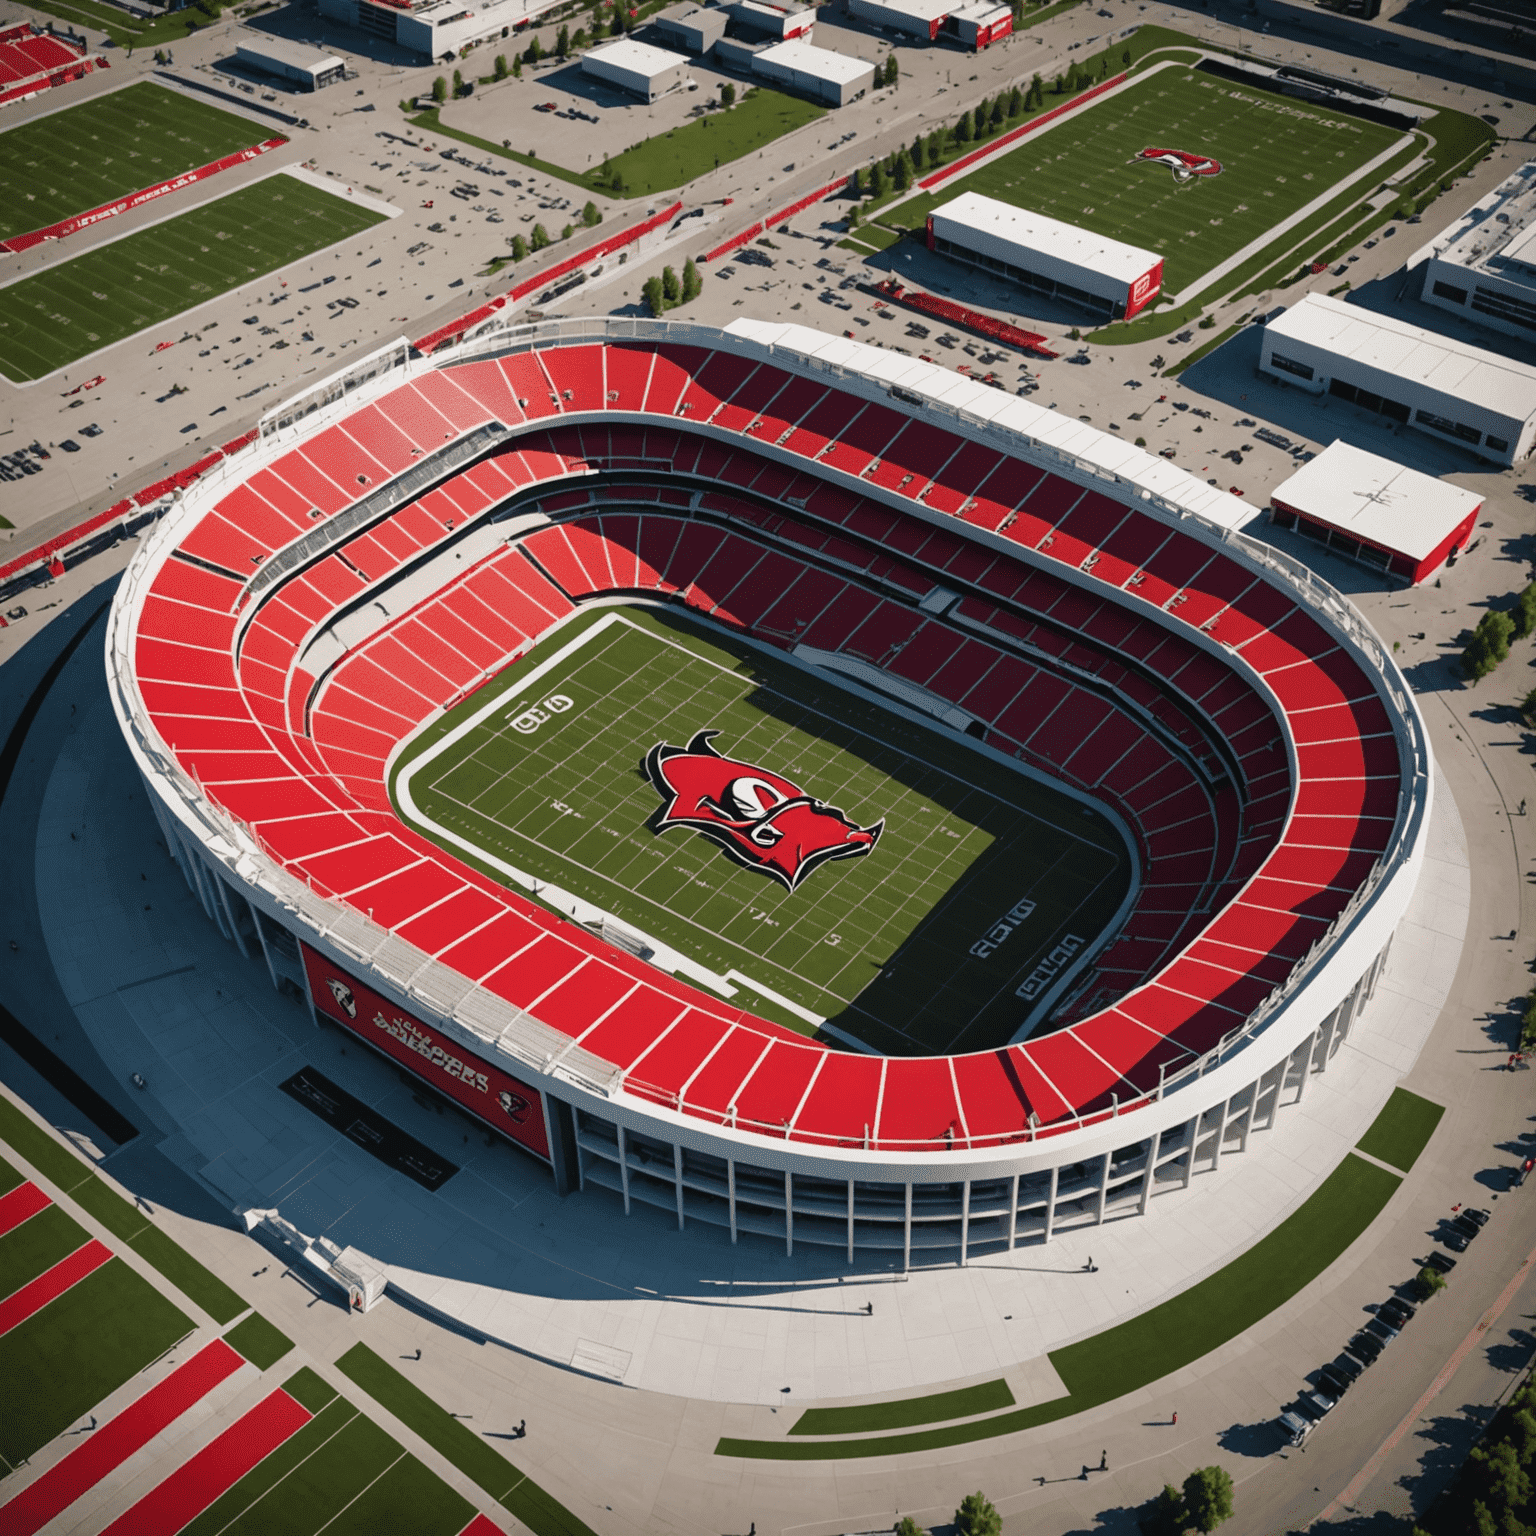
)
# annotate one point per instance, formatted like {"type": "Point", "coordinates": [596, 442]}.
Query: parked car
{"type": "Point", "coordinates": [1365, 1348]}
{"type": "Point", "coordinates": [1442, 1263]}
{"type": "Point", "coordinates": [1377, 1328]}
{"type": "Point", "coordinates": [1294, 1429]}
{"type": "Point", "coordinates": [1397, 1311]}
{"type": "Point", "coordinates": [1316, 1405]}
{"type": "Point", "coordinates": [1477, 1218]}
{"type": "Point", "coordinates": [1456, 1239]}
{"type": "Point", "coordinates": [1334, 1380]}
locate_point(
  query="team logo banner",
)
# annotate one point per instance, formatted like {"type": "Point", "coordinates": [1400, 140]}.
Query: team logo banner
{"type": "Point", "coordinates": [762, 820]}
{"type": "Point", "coordinates": [510, 1106]}
{"type": "Point", "coordinates": [1185, 166]}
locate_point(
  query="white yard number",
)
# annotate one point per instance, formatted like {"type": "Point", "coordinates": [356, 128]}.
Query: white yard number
{"type": "Point", "coordinates": [527, 721]}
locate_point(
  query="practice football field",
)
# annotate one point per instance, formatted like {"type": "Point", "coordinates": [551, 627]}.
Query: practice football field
{"type": "Point", "coordinates": [928, 938]}
{"type": "Point", "coordinates": [1276, 154]}
{"type": "Point", "coordinates": [62, 313]}
{"type": "Point", "coordinates": [98, 151]}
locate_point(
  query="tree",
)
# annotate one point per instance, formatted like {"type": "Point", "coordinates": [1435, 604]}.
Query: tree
{"type": "Point", "coordinates": [1500, 1480]}
{"type": "Point", "coordinates": [976, 1517]}
{"type": "Point", "coordinates": [1165, 1516]}
{"type": "Point", "coordinates": [534, 51]}
{"type": "Point", "coordinates": [499, 68]}
{"type": "Point", "coordinates": [903, 171]}
{"type": "Point", "coordinates": [669, 287]}
{"type": "Point", "coordinates": [693, 284]}
{"type": "Point", "coordinates": [458, 84]}
{"type": "Point", "coordinates": [1058, 85]}
{"type": "Point", "coordinates": [933, 149]}
{"type": "Point", "coordinates": [892, 71]}
{"type": "Point", "coordinates": [579, 39]}
{"type": "Point", "coordinates": [856, 182]}
{"type": "Point", "coordinates": [540, 237]}
{"type": "Point", "coordinates": [653, 296]}
{"type": "Point", "coordinates": [727, 95]}
{"type": "Point", "coordinates": [519, 247]}
{"type": "Point", "coordinates": [1489, 645]}
{"type": "Point", "coordinates": [877, 186]}
{"type": "Point", "coordinates": [440, 90]}
{"type": "Point", "coordinates": [562, 42]}
{"type": "Point", "coordinates": [964, 130]}
{"type": "Point", "coordinates": [1525, 612]}
{"type": "Point", "coordinates": [568, 231]}
{"type": "Point", "coordinates": [907, 1526]}
{"type": "Point", "coordinates": [1036, 96]}
{"type": "Point", "coordinates": [1015, 102]}
{"type": "Point", "coordinates": [1074, 79]}
{"type": "Point", "coordinates": [1207, 1497]}
{"type": "Point", "coordinates": [1125, 58]}
{"type": "Point", "coordinates": [590, 216]}
{"type": "Point", "coordinates": [853, 217]}
{"type": "Point", "coordinates": [998, 113]}
{"type": "Point", "coordinates": [517, 66]}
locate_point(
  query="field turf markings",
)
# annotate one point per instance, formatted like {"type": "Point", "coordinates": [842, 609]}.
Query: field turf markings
{"type": "Point", "coordinates": [260, 1342]}
{"type": "Point", "coordinates": [880, 945]}
{"type": "Point", "coordinates": [1402, 1130]}
{"type": "Point", "coordinates": [65, 312]}
{"type": "Point", "coordinates": [1082, 171]}
{"type": "Point", "coordinates": [902, 1412]}
{"type": "Point", "coordinates": [36, 1246]}
{"type": "Point", "coordinates": [126, 1222]}
{"type": "Point", "coordinates": [79, 1349]}
{"type": "Point", "coordinates": [100, 150]}
{"type": "Point", "coordinates": [480, 1463]}
{"type": "Point", "coordinates": [1165, 1338]}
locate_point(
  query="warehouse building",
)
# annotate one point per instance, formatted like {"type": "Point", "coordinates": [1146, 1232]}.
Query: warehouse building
{"type": "Point", "coordinates": [434, 29]}
{"type": "Point", "coordinates": [835, 78]}
{"type": "Point", "coordinates": [1376, 512]}
{"type": "Point", "coordinates": [973, 24]}
{"type": "Point", "coordinates": [1059, 261]}
{"type": "Point", "coordinates": [637, 68]}
{"type": "Point", "coordinates": [1442, 386]}
{"type": "Point", "coordinates": [1484, 266]}
{"type": "Point", "coordinates": [303, 67]}
{"type": "Point", "coordinates": [759, 21]}
{"type": "Point", "coordinates": [691, 27]}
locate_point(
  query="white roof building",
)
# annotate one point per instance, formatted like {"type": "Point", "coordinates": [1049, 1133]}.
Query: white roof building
{"type": "Point", "coordinates": [1043, 253]}
{"type": "Point", "coordinates": [639, 68]}
{"type": "Point", "coordinates": [1376, 511]}
{"type": "Point", "coordinates": [1444, 386]}
{"type": "Point", "coordinates": [837, 78]}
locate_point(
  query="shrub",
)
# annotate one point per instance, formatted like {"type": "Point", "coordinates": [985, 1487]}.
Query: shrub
{"type": "Point", "coordinates": [1141, 442]}
{"type": "Point", "coordinates": [727, 95]}
{"type": "Point", "coordinates": [965, 130]}
{"type": "Point", "coordinates": [669, 287]}
{"type": "Point", "coordinates": [519, 247]}
{"type": "Point", "coordinates": [1165, 1514]}
{"type": "Point", "coordinates": [1015, 102]}
{"type": "Point", "coordinates": [907, 1526]}
{"type": "Point", "coordinates": [976, 1517]}
{"type": "Point", "coordinates": [1208, 323]}
{"type": "Point", "coordinates": [499, 68]}
{"type": "Point", "coordinates": [540, 237]}
{"type": "Point", "coordinates": [1489, 645]}
{"type": "Point", "coordinates": [1207, 1498]}
{"type": "Point", "coordinates": [693, 284]}
{"type": "Point", "coordinates": [1524, 613]}
{"type": "Point", "coordinates": [440, 90]}
{"type": "Point", "coordinates": [568, 231]}
{"type": "Point", "coordinates": [1428, 1282]}
{"type": "Point", "coordinates": [654, 300]}
{"type": "Point", "coordinates": [590, 216]}
{"type": "Point", "coordinates": [517, 66]}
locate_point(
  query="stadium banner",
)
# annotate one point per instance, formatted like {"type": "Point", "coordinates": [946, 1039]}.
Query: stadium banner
{"type": "Point", "coordinates": [499, 1099]}
{"type": "Point", "coordinates": [18, 243]}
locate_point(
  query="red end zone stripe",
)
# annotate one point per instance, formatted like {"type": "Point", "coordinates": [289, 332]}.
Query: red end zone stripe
{"type": "Point", "coordinates": [36, 1294]}
{"type": "Point", "coordinates": [137, 199]}
{"type": "Point", "coordinates": [23, 1201]}
{"type": "Point", "coordinates": [194, 1485]}
{"type": "Point", "coordinates": [482, 1526]}
{"type": "Point", "coordinates": [117, 1440]}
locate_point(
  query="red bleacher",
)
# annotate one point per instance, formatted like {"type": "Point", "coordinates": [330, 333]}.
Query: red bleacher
{"type": "Point", "coordinates": [1080, 642]}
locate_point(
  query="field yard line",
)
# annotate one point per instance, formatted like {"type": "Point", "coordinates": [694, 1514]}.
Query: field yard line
{"type": "Point", "coordinates": [1275, 231]}
{"type": "Point", "coordinates": [361, 1491]}
{"type": "Point", "coordinates": [356, 1414]}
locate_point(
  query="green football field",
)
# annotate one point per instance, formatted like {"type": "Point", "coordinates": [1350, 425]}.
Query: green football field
{"type": "Point", "coordinates": [919, 942]}
{"type": "Point", "coordinates": [1276, 155]}
{"type": "Point", "coordinates": [63, 313]}
{"type": "Point", "coordinates": [101, 150]}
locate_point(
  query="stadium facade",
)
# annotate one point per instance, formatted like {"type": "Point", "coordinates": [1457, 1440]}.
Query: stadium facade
{"type": "Point", "coordinates": [284, 630]}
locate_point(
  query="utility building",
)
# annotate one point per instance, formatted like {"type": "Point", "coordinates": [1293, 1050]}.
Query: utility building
{"type": "Point", "coordinates": [1440, 385]}
{"type": "Point", "coordinates": [973, 23]}
{"type": "Point", "coordinates": [835, 78]}
{"type": "Point", "coordinates": [692, 27]}
{"type": "Point", "coordinates": [1059, 261]}
{"type": "Point", "coordinates": [760, 21]}
{"type": "Point", "coordinates": [303, 67]}
{"type": "Point", "coordinates": [638, 68]}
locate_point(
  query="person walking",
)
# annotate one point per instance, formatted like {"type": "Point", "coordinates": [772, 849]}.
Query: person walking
{"type": "Point", "coordinates": [1103, 1461]}
{"type": "Point", "coordinates": [1175, 1415]}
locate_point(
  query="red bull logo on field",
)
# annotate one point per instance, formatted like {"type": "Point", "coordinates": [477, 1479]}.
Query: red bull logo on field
{"type": "Point", "coordinates": [762, 821]}
{"type": "Point", "coordinates": [1185, 166]}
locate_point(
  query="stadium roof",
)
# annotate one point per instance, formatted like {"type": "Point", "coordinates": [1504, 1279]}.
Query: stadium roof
{"type": "Point", "coordinates": [1423, 357]}
{"type": "Point", "coordinates": [1377, 500]}
{"type": "Point", "coordinates": [922, 10]}
{"type": "Point", "coordinates": [1100, 453]}
{"type": "Point", "coordinates": [1497, 234]}
{"type": "Point", "coordinates": [1067, 242]}
{"type": "Point", "coordinates": [821, 63]}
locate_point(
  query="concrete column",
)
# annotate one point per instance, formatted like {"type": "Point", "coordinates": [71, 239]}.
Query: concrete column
{"type": "Point", "coordinates": [965, 1224]}
{"type": "Point", "coordinates": [789, 1213]}
{"type": "Point", "coordinates": [624, 1167]}
{"type": "Point", "coordinates": [1103, 1189]}
{"type": "Point", "coordinates": [229, 917]}
{"type": "Point", "coordinates": [850, 1221]}
{"type": "Point", "coordinates": [1221, 1133]}
{"type": "Point", "coordinates": [1050, 1201]}
{"type": "Point", "coordinates": [677, 1179]}
{"type": "Point", "coordinates": [1306, 1050]}
{"type": "Point", "coordinates": [730, 1192]}
{"type": "Point", "coordinates": [906, 1245]}
{"type": "Point", "coordinates": [1013, 1215]}
{"type": "Point", "coordinates": [1147, 1175]}
{"type": "Point", "coordinates": [266, 951]}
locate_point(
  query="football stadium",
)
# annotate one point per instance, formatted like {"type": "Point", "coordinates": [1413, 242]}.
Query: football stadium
{"type": "Point", "coordinates": [774, 780]}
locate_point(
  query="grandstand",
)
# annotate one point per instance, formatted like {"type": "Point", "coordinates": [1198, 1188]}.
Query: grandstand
{"type": "Point", "coordinates": [32, 61]}
{"type": "Point", "coordinates": [370, 561]}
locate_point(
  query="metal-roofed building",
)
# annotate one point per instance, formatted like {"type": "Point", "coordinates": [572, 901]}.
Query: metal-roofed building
{"type": "Point", "coordinates": [305, 67]}
{"type": "Point", "coordinates": [1377, 512]}
{"type": "Point", "coordinates": [1058, 260]}
{"type": "Point", "coordinates": [1484, 265]}
{"type": "Point", "coordinates": [836, 78]}
{"type": "Point", "coordinates": [690, 26]}
{"type": "Point", "coordinates": [639, 68]}
{"type": "Point", "coordinates": [1441, 385]}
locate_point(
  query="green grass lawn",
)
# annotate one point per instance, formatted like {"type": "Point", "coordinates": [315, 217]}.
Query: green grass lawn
{"type": "Point", "coordinates": [63, 313]}
{"type": "Point", "coordinates": [1163, 1339]}
{"type": "Point", "coordinates": [101, 150]}
{"type": "Point", "coordinates": [82, 1346]}
{"type": "Point", "coordinates": [1402, 1130]}
{"type": "Point", "coordinates": [457, 1443]}
{"type": "Point", "coordinates": [36, 1246]}
{"type": "Point", "coordinates": [1276, 154]}
{"type": "Point", "coordinates": [884, 944]}
{"type": "Point", "coordinates": [901, 1413]}
{"type": "Point", "coordinates": [261, 1342]}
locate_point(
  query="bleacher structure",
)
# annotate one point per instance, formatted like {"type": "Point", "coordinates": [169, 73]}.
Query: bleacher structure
{"type": "Point", "coordinates": [32, 60]}
{"type": "Point", "coordinates": [404, 532]}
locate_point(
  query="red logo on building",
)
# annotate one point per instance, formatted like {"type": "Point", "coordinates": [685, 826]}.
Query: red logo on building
{"type": "Point", "coordinates": [1185, 167]}
{"type": "Point", "coordinates": [762, 820]}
